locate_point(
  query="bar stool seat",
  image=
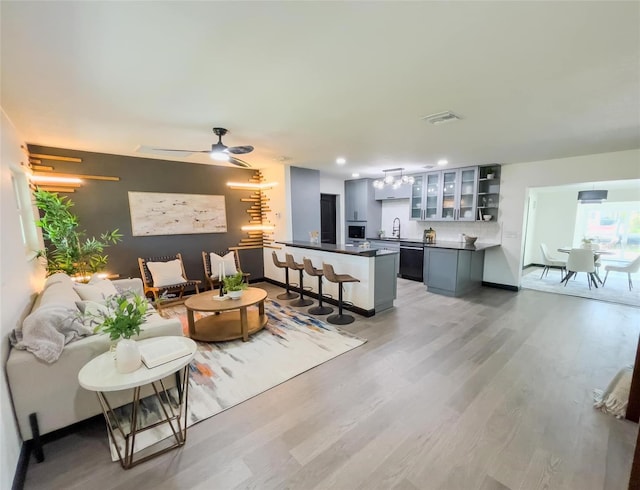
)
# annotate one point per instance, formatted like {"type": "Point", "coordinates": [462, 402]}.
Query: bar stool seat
{"type": "Point", "coordinates": [340, 279]}
{"type": "Point", "coordinates": [293, 265]}
{"type": "Point", "coordinates": [312, 271]}
{"type": "Point", "coordinates": [282, 265]}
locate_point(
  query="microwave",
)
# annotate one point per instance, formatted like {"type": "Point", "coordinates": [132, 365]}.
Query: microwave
{"type": "Point", "coordinates": [356, 231]}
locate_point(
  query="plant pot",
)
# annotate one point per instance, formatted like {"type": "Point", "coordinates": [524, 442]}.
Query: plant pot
{"type": "Point", "coordinates": [127, 356]}
{"type": "Point", "coordinates": [235, 294]}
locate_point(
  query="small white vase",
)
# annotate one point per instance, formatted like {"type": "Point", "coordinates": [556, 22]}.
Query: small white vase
{"type": "Point", "coordinates": [235, 294]}
{"type": "Point", "coordinates": [127, 356]}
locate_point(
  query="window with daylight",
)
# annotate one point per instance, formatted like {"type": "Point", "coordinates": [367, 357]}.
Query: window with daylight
{"type": "Point", "coordinates": [614, 226]}
{"type": "Point", "coordinates": [25, 210]}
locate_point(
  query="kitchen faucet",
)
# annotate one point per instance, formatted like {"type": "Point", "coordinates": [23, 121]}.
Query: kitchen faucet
{"type": "Point", "coordinates": [395, 233]}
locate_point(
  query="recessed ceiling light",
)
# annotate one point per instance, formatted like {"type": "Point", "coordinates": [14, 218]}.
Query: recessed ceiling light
{"type": "Point", "coordinates": [341, 160]}
{"type": "Point", "coordinates": [442, 162]}
{"type": "Point", "coordinates": [355, 174]}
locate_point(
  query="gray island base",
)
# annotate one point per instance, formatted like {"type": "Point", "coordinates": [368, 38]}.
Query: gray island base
{"type": "Point", "coordinates": [376, 270]}
{"type": "Point", "coordinates": [452, 268]}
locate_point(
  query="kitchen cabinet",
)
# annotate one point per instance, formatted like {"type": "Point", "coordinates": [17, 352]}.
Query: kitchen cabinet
{"type": "Point", "coordinates": [388, 192]}
{"type": "Point", "coordinates": [452, 272]}
{"type": "Point", "coordinates": [459, 193]}
{"type": "Point", "coordinates": [387, 245]}
{"type": "Point", "coordinates": [489, 191]}
{"type": "Point", "coordinates": [360, 203]}
{"type": "Point", "coordinates": [426, 201]}
{"type": "Point", "coordinates": [446, 195]}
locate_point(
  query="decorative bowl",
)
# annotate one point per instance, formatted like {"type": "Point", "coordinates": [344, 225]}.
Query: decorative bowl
{"type": "Point", "coordinates": [486, 217]}
{"type": "Point", "coordinates": [470, 240]}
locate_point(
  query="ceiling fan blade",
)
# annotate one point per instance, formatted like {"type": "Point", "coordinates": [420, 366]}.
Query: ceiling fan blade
{"type": "Point", "coordinates": [181, 151]}
{"type": "Point", "coordinates": [239, 150]}
{"type": "Point", "coordinates": [238, 162]}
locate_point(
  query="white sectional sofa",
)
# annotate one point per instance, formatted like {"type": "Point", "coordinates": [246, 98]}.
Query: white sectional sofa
{"type": "Point", "coordinates": [51, 391]}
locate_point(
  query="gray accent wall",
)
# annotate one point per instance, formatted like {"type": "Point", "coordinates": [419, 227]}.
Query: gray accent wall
{"type": "Point", "coordinates": [104, 205]}
{"type": "Point", "coordinates": [305, 202]}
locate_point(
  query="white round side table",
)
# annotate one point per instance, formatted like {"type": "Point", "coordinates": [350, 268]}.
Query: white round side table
{"type": "Point", "coordinates": [100, 375]}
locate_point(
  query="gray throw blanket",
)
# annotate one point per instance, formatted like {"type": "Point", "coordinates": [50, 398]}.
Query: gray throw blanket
{"type": "Point", "coordinates": [46, 331]}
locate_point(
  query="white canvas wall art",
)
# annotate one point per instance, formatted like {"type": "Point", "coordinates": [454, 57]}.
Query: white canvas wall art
{"type": "Point", "coordinates": [155, 213]}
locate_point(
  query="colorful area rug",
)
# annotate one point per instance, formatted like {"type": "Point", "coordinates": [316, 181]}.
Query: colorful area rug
{"type": "Point", "coordinates": [224, 374]}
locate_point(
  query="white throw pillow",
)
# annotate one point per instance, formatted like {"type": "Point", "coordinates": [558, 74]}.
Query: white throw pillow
{"type": "Point", "coordinates": [96, 290]}
{"type": "Point", "coordinates": [229, 262]}
{"type": "Point", "coordinates": [93, 313]}
{"type": "Point", "coordinates": [166, 273]}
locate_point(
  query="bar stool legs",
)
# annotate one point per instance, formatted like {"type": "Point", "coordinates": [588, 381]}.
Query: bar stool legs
{"type": "Point", "coordinates": [320, 310]}
{"type": "Point", "coordinates": [282, 265]}
{"type": "Point", "coordinates": [287, 294]}
{"type": "Point", "coordinates": [340, 318]}
{"type": "Point", "coordinates": [291, 264]}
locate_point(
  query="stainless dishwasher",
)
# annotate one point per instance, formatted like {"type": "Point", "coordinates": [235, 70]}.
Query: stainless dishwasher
{"type": "Point", "coordinates": [411, 257]}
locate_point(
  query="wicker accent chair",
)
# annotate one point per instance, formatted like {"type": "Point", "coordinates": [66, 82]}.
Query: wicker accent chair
{"type": "Point", "coordinates": [147, 281]}
{"type": "Point", "coordinates": [206, 262]}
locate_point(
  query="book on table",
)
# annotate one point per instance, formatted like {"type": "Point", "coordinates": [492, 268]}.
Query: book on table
{"type": "Point", "coordinates": [162, 350]}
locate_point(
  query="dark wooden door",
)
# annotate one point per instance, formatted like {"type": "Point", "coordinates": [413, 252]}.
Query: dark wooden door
{"type": "Point", "coordinates": [328, 218]}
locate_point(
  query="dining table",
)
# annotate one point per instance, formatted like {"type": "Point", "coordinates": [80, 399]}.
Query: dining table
{"type": "Point", "coordinates": [596, 255]}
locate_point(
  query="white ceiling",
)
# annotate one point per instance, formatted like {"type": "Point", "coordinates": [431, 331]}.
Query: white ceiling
{"type": "Point", "coordinates": [310, 81]}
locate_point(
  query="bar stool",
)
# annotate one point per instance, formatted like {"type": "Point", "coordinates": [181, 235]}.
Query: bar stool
{"type": "Point", "coordinates": [282, 265]}
{"type": "Point", "coordinates": [312, 271]}
{"type": "Point", "coordinates": [293, 265]}
{"type": "Point", "coordinates": [331, 276]}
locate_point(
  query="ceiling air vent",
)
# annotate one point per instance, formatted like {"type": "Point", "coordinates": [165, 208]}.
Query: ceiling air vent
{"type": "Point", "coordinates": [441, 117]}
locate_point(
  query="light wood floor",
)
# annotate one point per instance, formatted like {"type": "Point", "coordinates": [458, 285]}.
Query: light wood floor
{"type": "Point", "coordinates": [490, 392]}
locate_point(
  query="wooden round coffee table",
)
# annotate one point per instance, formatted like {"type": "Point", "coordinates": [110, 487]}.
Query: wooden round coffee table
{"type": "Point", "coordinates": [234, 321]}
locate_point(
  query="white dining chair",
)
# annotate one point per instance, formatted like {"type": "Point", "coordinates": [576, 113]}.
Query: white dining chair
{"type": "Point", "coordinates": [581, 260]}
{"type": "Point", "coordinates": [551, 262]}
{"type": "Point", "coordinates": [630, 268]}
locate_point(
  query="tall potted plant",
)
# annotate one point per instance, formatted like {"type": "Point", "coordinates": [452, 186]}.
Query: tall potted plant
{"type": "Point", "coordinates": [68, 250]}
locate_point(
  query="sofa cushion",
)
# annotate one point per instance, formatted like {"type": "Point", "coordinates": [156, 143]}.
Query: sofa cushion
{"type": "Point", "coordinates": [97, 290]}
{"type": "Point", "coordinates": [59, 293]}
{"type": "Point", "coordinates": [166, 273]}
{"type": "Point", "coordinates": [58, 277]}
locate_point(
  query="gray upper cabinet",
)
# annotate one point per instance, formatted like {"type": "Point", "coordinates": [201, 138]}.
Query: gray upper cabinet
{"type": "Point", "coordinates": [446, 195]}
{"type": "Point", "coordinates": [459, 194]}
{"type": "Point", "coordinates": [426, 199]}
{"type": "Point", "coordinates": [360, 203]}
{"type": "Point", "coordinates": [388, 192]}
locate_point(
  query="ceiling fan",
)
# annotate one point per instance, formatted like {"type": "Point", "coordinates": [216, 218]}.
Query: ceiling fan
{"type": "Point", "coordinates": [219, 151]}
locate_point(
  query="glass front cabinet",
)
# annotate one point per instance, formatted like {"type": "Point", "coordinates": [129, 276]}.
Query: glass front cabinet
{"type": "Point", "coordinates": [447, 195]}
{"type": "Point", "coordinates": [425, 196]}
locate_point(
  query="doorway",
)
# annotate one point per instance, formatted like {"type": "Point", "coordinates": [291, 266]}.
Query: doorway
{"type": "Point", "coordinates": [328, 218]}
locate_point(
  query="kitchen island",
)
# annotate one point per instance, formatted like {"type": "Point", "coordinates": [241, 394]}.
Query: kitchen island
{"type": "Point", "coordinates": [375, 268]}
{"type": "Point", "coordinates": [454, 268]}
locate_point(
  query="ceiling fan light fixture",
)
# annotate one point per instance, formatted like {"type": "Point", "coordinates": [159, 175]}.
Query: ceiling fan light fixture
{"type": "Point", "coordinates": [220, 156]}
{"type": "Point", "coordinates": [591, 197]}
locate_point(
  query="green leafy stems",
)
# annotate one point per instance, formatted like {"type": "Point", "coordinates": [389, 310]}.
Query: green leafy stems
{"type": "Point", "coordinates": [125, 313]}
{"type": "Point", "coordinates": [235, 282]}
{"type": "Point", "coordinates": [68, 250]}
